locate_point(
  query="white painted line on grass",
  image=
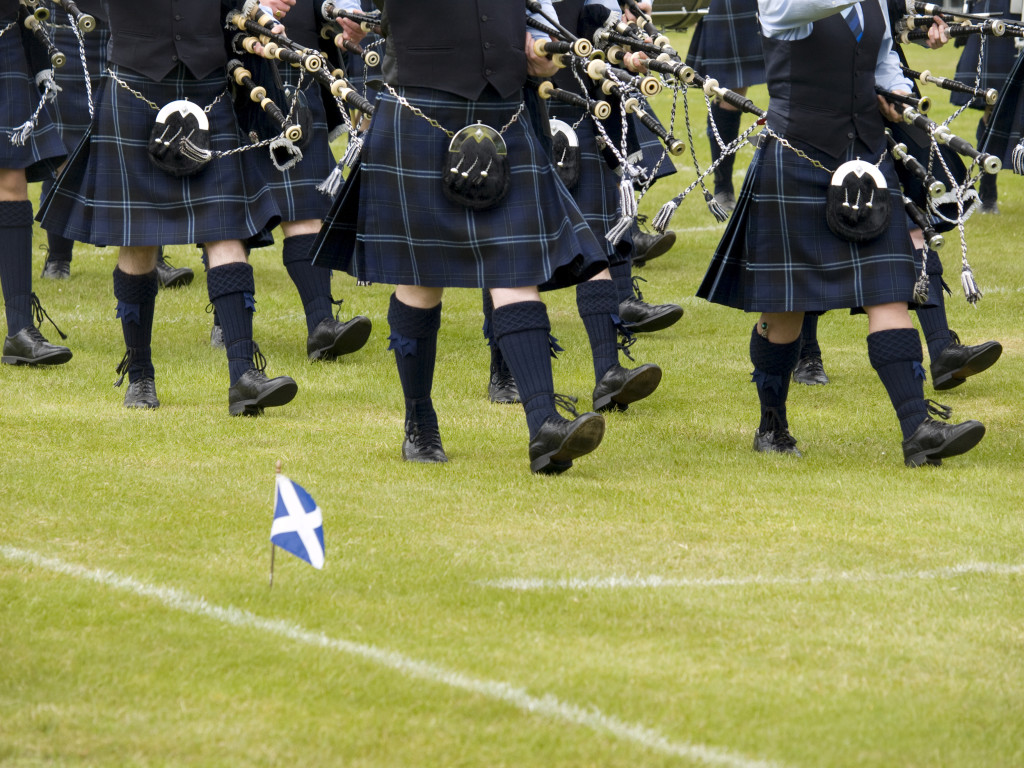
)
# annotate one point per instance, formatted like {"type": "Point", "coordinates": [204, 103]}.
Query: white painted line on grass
{"type": "Point", "coordinates": [546, 706]}
{"type": "Point", "coordinates": [662, 582]}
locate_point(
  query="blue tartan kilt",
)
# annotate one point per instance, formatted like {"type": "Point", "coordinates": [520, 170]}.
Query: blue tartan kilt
{"type": "Point", "coordinates": [1000, 56]}
{"type": "Point", "coordinates": [43, 152]}
{"type": "Point", "coordinates": [295, 190]}
{"type": "Point", "coordinates": [391, 222]}
{"type": "Point", "coordinates": [778, 255]}
{"type": "Point", "coordinates": [111, 193]}
{"type": "Point", "coordinates": [726, 44]}
{"type": "Point", "coordinates": [597, 192]}
{"type": "Point", "coordinates": [70, 110]}
{"type": "Point", "coordinates": [1006, 125]}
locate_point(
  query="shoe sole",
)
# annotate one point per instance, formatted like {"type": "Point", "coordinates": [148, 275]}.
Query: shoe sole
{"type": "Point", "coordinates": [504, 399]}
{"type": "Point", "coordinates": [660, 322]}
{"type": "Point", "coordinates": [282, 394]}
{"type": "Point", "coordinates": [351, 340]}
{"type": "Point", "coordinates": [642, 383]}
{"type": "Point", "coordinates": [179, 281]}
{"type": "Point", "coordinates": [584, 438]}
{"type": "Point", "coordinates": [664, 246]}
{"type": "Point", "coordinates": [958, 444]}
{"type": "Point", "coordinates": [57, 358]}
{"type": "Point", "coordinates": [810, 382]}
{"type": "Point", "coordinates": [982, 361]}
{"type": "Point", "coordinates": [139, 405]}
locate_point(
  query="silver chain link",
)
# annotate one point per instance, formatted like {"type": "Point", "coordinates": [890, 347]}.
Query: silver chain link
{"type": "Point", "coordinates": [450, 134]}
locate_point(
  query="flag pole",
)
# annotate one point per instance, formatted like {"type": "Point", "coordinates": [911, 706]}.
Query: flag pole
{"type": "Point", "coordinates": [277, 472]}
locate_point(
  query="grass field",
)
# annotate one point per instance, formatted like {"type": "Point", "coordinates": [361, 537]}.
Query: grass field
{"type": "Point", "coordinates": [675, 599]}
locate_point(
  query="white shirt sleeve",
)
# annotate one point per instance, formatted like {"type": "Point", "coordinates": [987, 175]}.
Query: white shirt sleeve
{"type": "Point", "coordinates": [888, 73]}
{"type": "Point", "coordinates": [549, 9]}
{"type": "Point", "coordinates": [792, 19]}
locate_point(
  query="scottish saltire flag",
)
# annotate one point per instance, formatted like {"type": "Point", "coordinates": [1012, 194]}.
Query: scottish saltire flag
{"type": "Point", "coordinates": [298, 524]}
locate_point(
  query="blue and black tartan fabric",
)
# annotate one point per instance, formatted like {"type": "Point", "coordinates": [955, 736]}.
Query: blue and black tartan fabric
{"type": "Point", "coordinates": [778, 255]}
{"type": "Point", "coordinates": [295, 190]}
{"type": "Point", "coordinates": [43, 152]}
{"type": "Point", "coordinates": [597, 193]}
{"type": "Point", "coordinates": [409, 233]}
{"type": "Point", "coordinates": [1006, 125]}
{"type": "Point", "coordinates": [1000, 56]}
{"type": "Point", "coordinates": [70, 110]}
{"type": "Point", "coordinates": [112, 194]}
{"type": "Point", "coordinates": [726, 44]}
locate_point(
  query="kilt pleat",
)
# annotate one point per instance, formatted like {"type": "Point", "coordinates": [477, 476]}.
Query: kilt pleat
{"type": "Point", "coordinates": [112, 194]}
{"type": "Point", "coordinates": [1006, 125]}
{"type": "Point", "coordinates": [70, 110]}
{"type": "Point", "coordinates": [409, 233]}
{"type": "Point", "coordinates": [726, 44]}
{"type": "Point", "coordinates": [43, 152]}
{"type": "Point", "coordinates": [1000, 56]}
{"type": "Point", "coordinates": [778, 255]}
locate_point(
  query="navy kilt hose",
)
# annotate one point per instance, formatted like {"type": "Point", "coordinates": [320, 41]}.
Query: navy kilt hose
{"type": "Point", "coordinates": [778, 255]}
{"type": "Point", "coordinates": [1000, 55]}
{"type": "Point", "coordinates": [408, 233]}
{"type": "Point", "coordinates": [726, 44]}
{"type": "Point", "coordinates": [112, 194]}
{"type": "Point", "coordinates": [596, 193]}
{"type": "Point", "coordinates": [43, 152]}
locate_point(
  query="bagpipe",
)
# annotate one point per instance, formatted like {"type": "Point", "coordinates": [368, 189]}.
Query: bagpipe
{"type": "Point", "coordinates": [988, 95]}
{"type": "Point", "coordinates": [913, 27]}
{"type": "Point", "coordinates": [84, 21]}
{"type": "Point", "coordinates": [32, 16]}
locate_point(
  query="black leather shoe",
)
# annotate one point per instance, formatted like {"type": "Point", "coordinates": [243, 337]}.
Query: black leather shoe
{"type": "Point", "coordinates": [647, 246]}
{"type": "Point", "coordinates": [621, 386]}
{"type": "Point", "coordinates": [29, 347]}
{"type": "Point", "coordinates": [331, 338]}
{"type": "Point", "coordinates": [810, 371]}
{"type": "Point", "coordinates": [957, 362]}
{"type": "Point", "coordinates": [254, 391]}
{"type": "Point", "coordinates": [57, 269]}
{"type": "Point", "coordinates": [640, 317]}
{"type": "Point", "coordinates": [422, 444]}
{"type": "Point", "coordinates": [217, 337]}
{"type": "Point", "coordinates": [170, 276]}
{"type": "Point", "coordinates": [935, 440]}
{"type": "Point", "coordinates": [503, 388]}
{"type": "Point", "coordinates": [990, 206]}
{"type": "Point", "coordinates": [776, 441]}
{"type": "Point", "coordinates": [141, 394]}
{"type": "Point", "coordinates": [559, 441]}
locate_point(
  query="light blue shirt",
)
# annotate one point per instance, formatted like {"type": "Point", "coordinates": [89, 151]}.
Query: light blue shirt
{"type": "Point", "coordinates": [794, 20]}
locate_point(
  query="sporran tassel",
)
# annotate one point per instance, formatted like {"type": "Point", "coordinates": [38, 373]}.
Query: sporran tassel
{"type": "Point", "coordinates": [921, 286]}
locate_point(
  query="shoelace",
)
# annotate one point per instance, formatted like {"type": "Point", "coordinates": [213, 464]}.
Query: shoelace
{"type": "Point", "coordinates": [943, 412]}
{"type": "Point", "coordinates": [779, 434]}
{"type": "Point", "coordinates": [337, 303]}
{"type": "Point", "coordinates": [259, 362]}
{"type": "Point", "coordinates": [567, 403]}
{"type": "Point", "coordinates": [38, 313]}
{"type": "Point", "coordinates": [636, 286]}
{"type": "Point", "coordinates": [955, 338]}
{"type": "Point", "coordinates": [124, 365]}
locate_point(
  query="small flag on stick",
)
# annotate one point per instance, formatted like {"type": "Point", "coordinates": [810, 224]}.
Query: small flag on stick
{"type": "Point", "coordinates": [298, 523]}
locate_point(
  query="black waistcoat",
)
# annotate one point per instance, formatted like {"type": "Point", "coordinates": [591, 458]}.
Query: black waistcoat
{"type": "Point", "coordinates": [302, 24]}
{"type": "Point", "coordinates": [8, 11]}
{"type": "Point", "coordinates": [457, 46]}
{"type": "Point", "coordinates": [822, 88]}
{"type": "Point", "coordinates": [152, 38]}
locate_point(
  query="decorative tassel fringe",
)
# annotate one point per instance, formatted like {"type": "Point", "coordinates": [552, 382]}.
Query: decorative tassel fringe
{"type": "Point", "coordinates": [332, 183]}
{"type": "Point", "coordinates": [664, 216]}
{"type": "Point", "coordinates": [1018, 158]}
{"type": "Point", "coordinates": [715, 207]}
{"type": "Point", "coordinates": [284, 153]}
{"type": "Point", "coordinates": [921, 286]}
{"type": "Point", "coordinates": [971, 289]}
{"type": "Point", "coordinates": [627, 206]}
{"type": "Point", "coordinates": [355, 146]}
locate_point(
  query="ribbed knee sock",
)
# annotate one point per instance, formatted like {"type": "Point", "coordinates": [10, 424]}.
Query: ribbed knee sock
{"type": "Point", "coordinates": [598, 306]}
{"type": "Point", "coordinates": [933, 319]}
{"type": "Point", "coordinates": [16, 263]}
{"type": "Point", "coordinates": [59, 248]}
{"type": "Point", "coordinates": [622, 277]}
{"type": "Point", "coordinates": [896, 355]}
{"type": "Point", "coordinates": [414, 341]}
{"type": "Point", "coordinates": [313, 283]}
{"type": "Point", "coordinates": [136, 302]}
{"type": "Point", "coordinates": [523, 333]}
{"type": "Point", "coordinates": [232, 291]}
{"type": "Point", "coordinates": [773, 364]}
{"type": "Point", "coordinates": [809, 346]}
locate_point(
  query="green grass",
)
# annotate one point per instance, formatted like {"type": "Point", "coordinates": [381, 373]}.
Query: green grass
{"type": "Point", "coordinates": [855, 649]}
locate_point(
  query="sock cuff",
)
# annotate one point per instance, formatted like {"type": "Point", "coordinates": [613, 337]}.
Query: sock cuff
{"type": "Point", "coordinates": [413, 322]}
{"type": "Point", "coordinates": [895, 345]}
{"type": "Point", "coordinates": [520, 316]}
{"type": "Point", "coordinates": [773, 359]}
{"type": "Point", "coordinates": [135, 289]}
{"type": "Point", "coordinates": [597, 297]}
{"type": "Point", "coordinates": [16, 213]}
{"type": "Point", "coordinates": [297, 248]}
{"type": "Point", "coordinates": [231, 278]}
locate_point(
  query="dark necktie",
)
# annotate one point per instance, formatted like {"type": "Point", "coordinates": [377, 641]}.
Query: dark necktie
{"type": "Point", "coordinates": [853, 20]}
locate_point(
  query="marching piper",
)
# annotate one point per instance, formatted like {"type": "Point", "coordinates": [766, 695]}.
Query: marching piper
{"type": "Point", "coordinates": [162, 167]}
{"type": "Point", "coordinates": [819, 225]}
